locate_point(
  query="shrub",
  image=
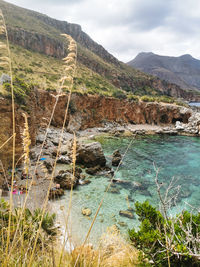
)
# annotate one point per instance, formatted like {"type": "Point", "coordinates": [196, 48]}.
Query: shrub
{"type": "Point", "coordinates": [163, 240]}
{"type": "Point", "coordinates": [119, 94]}
{"type": "Point", "coordinates": [134, 98]}
{"type": "Point", "coordinates": [165, 99]}
{"type": "Point", "coordinates": [21, 90]}
{"type": "Point", "coordinates": [147, 98]}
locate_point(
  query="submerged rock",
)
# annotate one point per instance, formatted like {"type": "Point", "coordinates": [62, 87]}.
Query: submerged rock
{"type": "Point", "coordinates": [122, 224]}
{"type": "Point", "coordinates": [116, 158]}
{"type": "Point", "coordinates": [86, 211]}
{"type": "Point", "coordinates": [126, 213]}
{"type": "Point", "coordinates": [84, 182]}
{"type": "Point", "coordinates": [114, 190]}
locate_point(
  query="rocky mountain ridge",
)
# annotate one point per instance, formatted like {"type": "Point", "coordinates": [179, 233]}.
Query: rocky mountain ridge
{"type": "Point", "coordinates": [40, 33]}
{"type": "Point", "coordinates": [183, 70]}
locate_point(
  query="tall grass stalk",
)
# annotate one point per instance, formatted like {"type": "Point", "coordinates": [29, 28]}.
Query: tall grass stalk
{"type": "Point", "coordinates": [70, 199]}
{"type": "Point", "coordinates": [7, 61]}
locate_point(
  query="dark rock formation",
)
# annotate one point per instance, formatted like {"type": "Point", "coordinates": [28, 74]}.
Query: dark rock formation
{"type": "Point", "coordinates": [116, 158]}
{"type": "Point", "coordinates": [56, 193]}
{"type": "Point", "coordinates": [90, 155]}
{"type": "Point", "coordinates": [66, 180]}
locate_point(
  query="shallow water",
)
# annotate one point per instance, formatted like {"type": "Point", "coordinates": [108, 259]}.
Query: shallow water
{"type": "Point", "coordinates": [175, 156]}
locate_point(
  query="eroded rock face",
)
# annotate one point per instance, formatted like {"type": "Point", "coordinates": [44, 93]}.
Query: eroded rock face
{"type": "Point", "coordinates": [107, 110]}
{"type": "Point", "coordinates": [190, 128]}
{"type": "Point", "coordinates": [90, 155]}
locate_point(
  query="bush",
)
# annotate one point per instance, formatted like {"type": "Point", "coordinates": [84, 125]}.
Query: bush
{"type": "Point", "coordinates": [119, 94]}
{"type": "Point", "coordinates": [21, 90]}
{"type": "Point", "coordinates": [134, 98]}
{"type": "Point", "coordinates": [154, 234]}
{"type": "Point", "coordinates": [147, 98]}
{"type": "Point", "coordinates": [165, 99]}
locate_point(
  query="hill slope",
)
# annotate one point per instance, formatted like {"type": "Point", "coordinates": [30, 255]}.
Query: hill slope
{"type": "Point", "coordinates": [40, 33]}
{"type": "Point", "coordinates": [183, 71]}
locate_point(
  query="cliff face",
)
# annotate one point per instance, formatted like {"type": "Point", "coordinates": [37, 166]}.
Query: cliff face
{"type": "Point", "coordinates": [85, 112]}
{"type": "Point", "coordinates": [36, 42]}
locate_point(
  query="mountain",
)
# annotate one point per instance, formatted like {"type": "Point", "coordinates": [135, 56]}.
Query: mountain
{"type": "Point", "coordinates": [183, 71]}
{"type": "Point", "coordinates": [37, 46]}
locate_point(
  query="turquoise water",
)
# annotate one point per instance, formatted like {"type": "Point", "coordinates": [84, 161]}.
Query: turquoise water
{"type": "Point", "coordinates": [175, 156]}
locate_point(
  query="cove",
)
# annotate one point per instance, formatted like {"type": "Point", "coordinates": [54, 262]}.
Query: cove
{"type": "Point", "coordinates": [175, 156]}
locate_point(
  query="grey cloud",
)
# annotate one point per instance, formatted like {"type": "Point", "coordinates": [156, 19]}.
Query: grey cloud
{"type": "Point", "coordinates": [128, 27]}
{"type": "Point", "coordinates": [44, 2]}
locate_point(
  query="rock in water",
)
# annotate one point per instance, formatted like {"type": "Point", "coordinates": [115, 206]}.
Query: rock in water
{"type": "Point", "coordinates": [116, 158]}
{"type": "Point", "coordinates": [86, 211]}
{"type": "Point", "coordinates": [90, 155]}
{"type": "Point", "coordinates": [56, 193]}
{"type": "Point", "coordinates": [126, 213]}
{"type": "Point", "coordinates": [66, 180]}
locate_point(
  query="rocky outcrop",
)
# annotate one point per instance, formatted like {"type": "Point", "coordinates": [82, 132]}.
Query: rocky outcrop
{"type": "Point", "coordinates": [91, 111]}
{"type": "Point", "coordinates": [66, 180]}
{"type": "Point", "coordinates": [190, 128]}
{"type": "Point", "coordinates": [90, 155]}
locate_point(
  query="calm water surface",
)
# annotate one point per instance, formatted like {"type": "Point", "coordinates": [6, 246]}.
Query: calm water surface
{"type": "Point", "coordinates": [175, 156]}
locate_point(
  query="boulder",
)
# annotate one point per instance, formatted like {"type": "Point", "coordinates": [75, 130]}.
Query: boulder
{"type": "Point", "coordinates": [93, 170]}
{"type": "Point", "coordinates": [66, 180]}
{"type": "Point", "coordinates": [56, 193]}
{"type": "Point", "coordinates": [116, 158]}
{"type": "Point", "coordinates": [86, 211]}
{"type": "Point", "coordinates": [64, 160]}
{"type": "Point", "coordinates": [48, 162]}
{"type": "Point", "coordinates": [5, 78]}
{"type": "Point", "coordinates": [126, 213]}
{"type": "Point", "coordinates": [90, 155]}
{"type": "Point", "coordinates": [114, 190]}
{"type": "Point", "coordinates": [84, 182]}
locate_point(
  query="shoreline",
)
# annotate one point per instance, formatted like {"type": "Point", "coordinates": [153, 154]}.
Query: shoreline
{"type": "Point", "coordinates": [38, 191]}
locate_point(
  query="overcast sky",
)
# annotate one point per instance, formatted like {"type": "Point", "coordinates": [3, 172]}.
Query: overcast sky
{"type": "Point", "coordinates": [127, 27]}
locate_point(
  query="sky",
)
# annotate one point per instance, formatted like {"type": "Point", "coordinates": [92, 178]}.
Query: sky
{"type": "Point", "coordinates": [128, 27]}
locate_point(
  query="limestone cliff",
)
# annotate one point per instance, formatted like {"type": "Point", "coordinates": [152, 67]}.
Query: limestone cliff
{"type": "Point", "coordinates": [85, 111]}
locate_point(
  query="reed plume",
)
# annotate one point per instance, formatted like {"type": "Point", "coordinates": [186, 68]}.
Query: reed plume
{"type": "Point", "coordinates": [26, 144]}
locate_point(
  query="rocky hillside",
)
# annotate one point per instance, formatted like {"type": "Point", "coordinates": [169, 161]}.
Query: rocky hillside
{"type": "Point", "coordinates": [183, 71]}
{"type": "Point", "coordinates": [86, 111]}
{"type": "Point", "coordinates": [40, 33]}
